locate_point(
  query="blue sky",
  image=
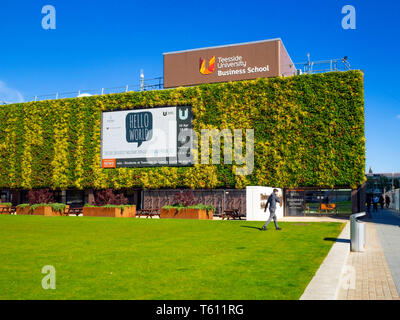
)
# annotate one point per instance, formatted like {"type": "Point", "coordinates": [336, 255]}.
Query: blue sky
{"type": "Point", "coordinates": [105, 43]}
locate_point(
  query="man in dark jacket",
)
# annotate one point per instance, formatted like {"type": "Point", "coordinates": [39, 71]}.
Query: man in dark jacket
{"type": "Point", "coordinates": [387, 201]}
{"type": "Point", "coordinates": [272, 200]}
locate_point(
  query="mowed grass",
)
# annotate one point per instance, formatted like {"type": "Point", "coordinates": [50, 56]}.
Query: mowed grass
{"type": "Point", "coordinates": [116, 258]}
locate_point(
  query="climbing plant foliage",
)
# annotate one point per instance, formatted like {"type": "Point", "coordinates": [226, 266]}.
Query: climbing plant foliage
{"type": "Point", "coordinates": [308, 131]}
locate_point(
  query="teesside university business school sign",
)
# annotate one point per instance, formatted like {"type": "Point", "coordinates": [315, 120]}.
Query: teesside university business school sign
{"type": "Point", "coordinates": [251, 60]}
{"type": "Point", "coordinates": [151, 137]}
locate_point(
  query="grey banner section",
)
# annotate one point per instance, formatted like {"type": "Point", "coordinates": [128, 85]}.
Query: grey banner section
{"type": "Point", "coordinates": [184, 122]}
{"type": "Point", "coordinates": [150, 162]}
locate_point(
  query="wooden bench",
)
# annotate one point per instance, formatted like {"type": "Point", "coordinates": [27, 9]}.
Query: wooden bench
{"type": "Point", "coordinates": [232, 213]}
{"type": "Point", "coordinates": [8, 210]}
{"type": "Point", "coordinates": [148, 213]}
{"type": "Point", "coordinates": [5, 210]}
{"type": "Point", "coordinates": [75, 211]}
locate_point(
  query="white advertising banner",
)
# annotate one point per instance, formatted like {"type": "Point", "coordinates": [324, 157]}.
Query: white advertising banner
{"type": "Point", "coordinates": [143, 137]}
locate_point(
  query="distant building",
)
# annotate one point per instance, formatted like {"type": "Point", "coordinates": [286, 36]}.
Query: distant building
{"type": "Point", "coordinates": [378, 183]}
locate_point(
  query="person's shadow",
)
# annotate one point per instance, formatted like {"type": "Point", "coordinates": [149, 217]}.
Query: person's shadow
{"type": "Point", "coordinates": [251, 227]}
{"type": "Point", "coordinates": [337, 240]}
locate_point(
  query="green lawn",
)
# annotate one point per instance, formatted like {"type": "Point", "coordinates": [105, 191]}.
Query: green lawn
{"type": "Point", "coordinates": [116, 258]}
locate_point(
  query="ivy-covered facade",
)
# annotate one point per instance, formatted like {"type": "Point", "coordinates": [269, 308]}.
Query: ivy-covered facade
{"type": "Point", "coordinates": [308, 132]}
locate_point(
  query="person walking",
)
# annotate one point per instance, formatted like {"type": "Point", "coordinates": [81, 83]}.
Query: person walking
{"type": "Point", "coordinates": [375, 201]}
{"type": "Point", "coordinates": [382, 201]}
{"type": "Point", "coordinates": [387, 201]}
{"type": "Point", "coordinates": [272, 200]}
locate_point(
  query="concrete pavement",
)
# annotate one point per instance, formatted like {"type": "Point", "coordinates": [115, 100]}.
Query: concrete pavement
{"type": "Point", "coordinates": [325, 285]}
{"type": "Point", "coordinates": [366, 274]}
{"type": "Point", "coordinates": [373, 274]}
{"type": "Point", "coordinates": [387, 224]}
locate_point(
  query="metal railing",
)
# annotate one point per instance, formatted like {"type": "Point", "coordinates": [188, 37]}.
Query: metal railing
{"type": "Point", "coordinates": [311, 67]}
{"type": "Point", "coordinates": [145, 85]}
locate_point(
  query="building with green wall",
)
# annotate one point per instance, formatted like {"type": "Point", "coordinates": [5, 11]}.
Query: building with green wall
{"type": "Point", "coordinates": [308, 135]}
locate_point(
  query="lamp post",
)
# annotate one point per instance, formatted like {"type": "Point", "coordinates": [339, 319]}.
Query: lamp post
{"type": "Point", "coordinates": [392, 180]}
{"type": "Point", "coordinates": [141, 80]}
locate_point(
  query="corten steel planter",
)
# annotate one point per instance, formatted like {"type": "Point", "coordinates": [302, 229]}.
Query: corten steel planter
{"type": "Point", "coordinates": [43, 211]}
{"type": "Point", "coordinates": [128, 212]}
{"type": "Point", "coordinates": [48, 211]}
{"type": "Point", "coordinates": [186, 213]}
{"type": "Point", "coordinates": [23, 211]}
{"type": "Point", "coordinates": [54, 213]}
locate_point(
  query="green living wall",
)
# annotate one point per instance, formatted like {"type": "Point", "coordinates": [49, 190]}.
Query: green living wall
{"type": "Point", "coordinates": [309, 131]}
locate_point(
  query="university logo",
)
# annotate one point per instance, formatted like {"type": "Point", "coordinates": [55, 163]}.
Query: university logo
{"type": "Point", "coordinates": [211, 66]}
{"type": "Point", "coordinates": [183, 114]}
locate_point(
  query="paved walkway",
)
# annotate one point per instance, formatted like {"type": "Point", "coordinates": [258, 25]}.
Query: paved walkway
{"type": "Point", "coordinates": [315, 219]}
{"type": "Point", "coordinates": [366, 274]}
{"type": "Point", "coordinates": [326, 283]}
{"type": "Point", "coordinates": [387, 224]}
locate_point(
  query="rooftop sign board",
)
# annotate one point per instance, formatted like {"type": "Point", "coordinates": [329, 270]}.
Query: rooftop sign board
{"type": "Point", "coordinates": [267, 58]}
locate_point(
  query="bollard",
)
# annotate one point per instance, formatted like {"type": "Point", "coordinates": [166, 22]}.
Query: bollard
{"type": "Point", "coordinates": [357, 232]}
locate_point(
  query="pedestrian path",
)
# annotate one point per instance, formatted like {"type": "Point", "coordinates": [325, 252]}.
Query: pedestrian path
{"type": "Point", "coordinates": [339, 219]}
{"type": "Point", "coordinates": [326, 281]}
{"type": "Point", "coordinates": [366, 274]}
{"type": "Point", "coordinates": [387, 224]}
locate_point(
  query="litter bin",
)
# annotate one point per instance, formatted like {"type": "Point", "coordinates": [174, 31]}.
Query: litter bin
{"type": "Point", "coordinates": [357, 232]}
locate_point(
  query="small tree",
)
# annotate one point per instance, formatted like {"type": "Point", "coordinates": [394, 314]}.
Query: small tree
{"type": "Point", "coordinates": [40, 196]}
{"type": "Point", "coordinates": [185, 198]}
{"type": "Point", "coordinates": [107, 196]}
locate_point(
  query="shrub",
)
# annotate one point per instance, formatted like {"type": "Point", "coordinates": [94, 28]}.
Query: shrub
{"type": "Point", "coordinates": [203, 207]}
{"type": "Point", "coordinates": [60, 207]}
{"type": "Point", "coordinates": [23, 205]}
{"type": "Point", "coordinates": [108, 197]}
{"type": "Point", "coordinates": [40, 196]}
{"type": "Point", "coordinates": [208, 208]}
{"type": "Point", "coordinates": [122, 206]}
{"type": "Point", "coordinates": [184, 199]}
{"type": "Point", "coordinates": [7, 204]}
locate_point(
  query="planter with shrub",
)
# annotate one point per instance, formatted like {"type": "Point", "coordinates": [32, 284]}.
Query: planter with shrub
{"type": "Point", "coordinates": [41, 203]}
{"type": "Point", "coordinates": [48, 209]}
{"type": "Point", "coordinates": [23, 209]}
{"type": "Point", "coordinates": [119, 211]}
{"type": "Point", "coordinates": [200, 212]}
{"type": "Point", "coordinates": [108, 204]}
{"type": "Point", "coordinates": [184, 207]}
{"type": "Point", "coordinates": [5, 204]}
{"type": "Point", "coordinates": [42, 209]}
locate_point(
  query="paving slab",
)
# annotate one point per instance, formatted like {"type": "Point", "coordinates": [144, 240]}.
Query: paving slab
{"type": "Point", "coordinates": [366, 274]}
{"type": "Point", "coordinates": [387, 224]}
